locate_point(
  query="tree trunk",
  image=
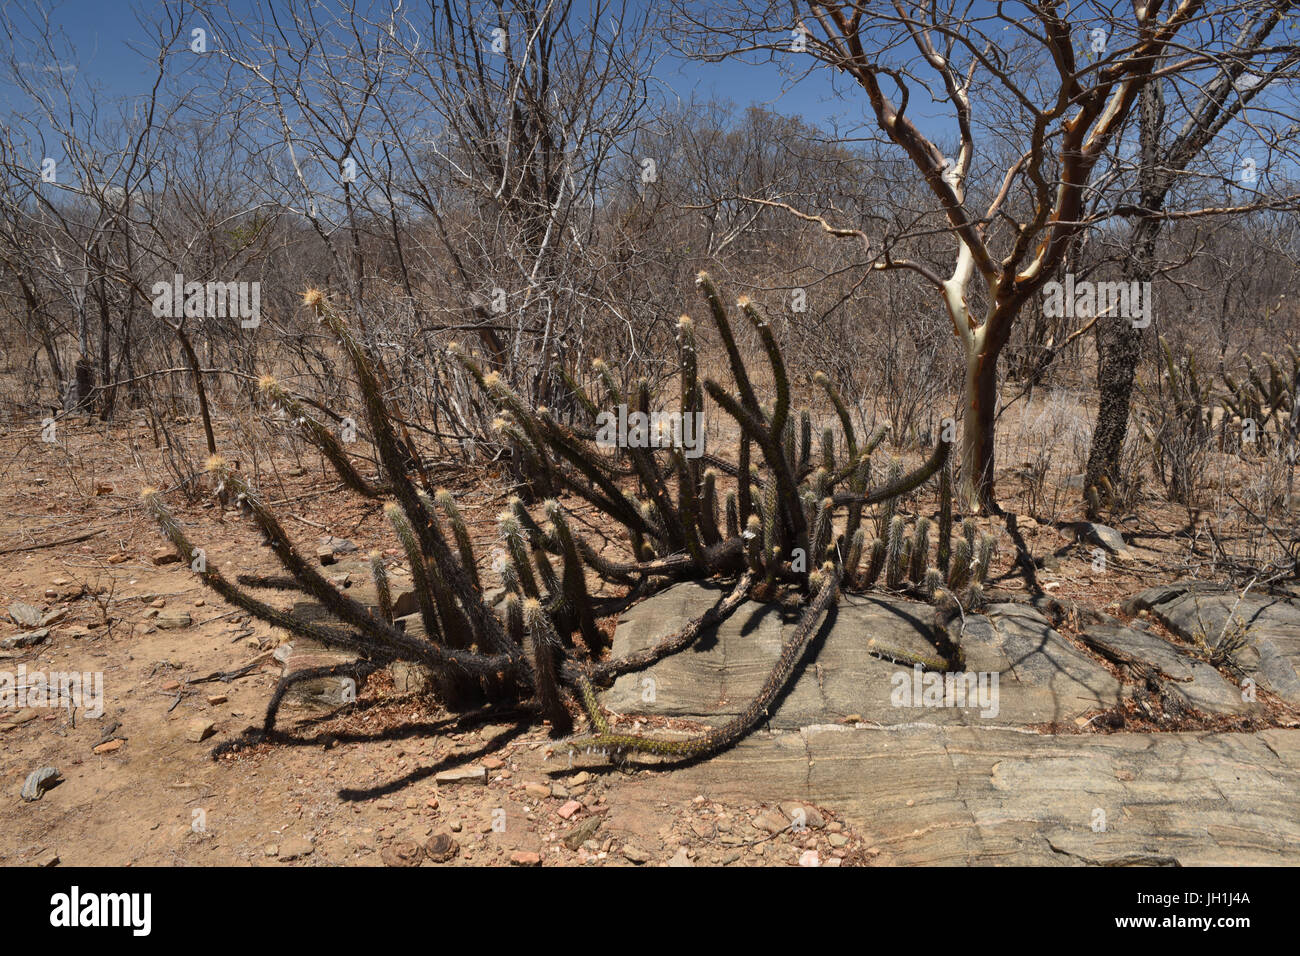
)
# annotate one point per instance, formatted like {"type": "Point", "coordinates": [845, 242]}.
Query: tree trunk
{"type": "Point", "coordinates": [1119, 344]}
{"type": "Point", "coordinates": [980, 398]}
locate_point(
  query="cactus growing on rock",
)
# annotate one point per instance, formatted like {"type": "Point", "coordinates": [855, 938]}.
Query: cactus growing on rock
{"type": "Point", "coordinates": [778, 533]}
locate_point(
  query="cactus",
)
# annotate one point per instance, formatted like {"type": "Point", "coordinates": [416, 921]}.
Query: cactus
{"type": "Point", "coordinates": [959, 573]}
{"type": "Point", "coordinates": [894, 556]}
{"type": "Point", "coordinates": [782, 500]}
{"type": "Point", "coordinates": [920, 550]}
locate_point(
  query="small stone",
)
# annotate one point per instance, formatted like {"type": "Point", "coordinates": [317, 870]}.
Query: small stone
{"type": "Point", "coordinates": [809, 858]}
{"type": "Point", "coordinates": [216, 699]}
{"type": "Point", "coordinates": [833, 861]}
{"type": "Point", "coordinates": [635, 854]}
{"type": "Point", "coordinates": [493, 763]}
{"type": "Point", "coordinates": [441, 848]}
{"type": "Point", "coordinates": [172, 685]}
{"type": "Point", "coordinates": [47, 859]}
{"type": "Point", "coordinates": [559, 792]}
{"type": "Point", "coordinates": [401, 854]}
{"type": "Point", "coordinates": [24, 615]}
{"type": "Point", "coordinates": [118, 558]}
{"type": "Point", "coordinates": [164, 556]}
{"type": "Point", "coordinates": [21, 717]}
{"type": "Point", "coordinates": [38, 781]}
{"type": "Point", "coordinates": [525, 858]}
{"type": "Point", "coordinates": [582, 834]}
{"type": "Point", "coordinates": [680, 858]}
{"type": "Point", "coordinates": [838, 839]}
{"type": "Point", "coordinates": [295, 848]}
{"type": "Point", "coordinates": [272, 849]}
{"type": "Point", "coordinates": [771, 821]}
{"type": "Point", "coordinates": [569, 809]}
{"type": "Point", "coordinates": [461, 775]}
{"type": "Point", "coordinates": [325, 554]}
{"type": "Point", "coordinates": [26, 639]}
{"type": "Point", "coordinates": [175, 621]}
{"type": "Point", "coordinates": [198, 730]}
{"type": "Point", "coordinates": [108, 747]}
{"type": "Point", "coordinates": [338, 545]}
{"type": "Point", "coordinates": [799, 813]}
{"type": "Point", "coordinates": [54, 617]}
{"type": "Point", "coordinates": [539, 791]}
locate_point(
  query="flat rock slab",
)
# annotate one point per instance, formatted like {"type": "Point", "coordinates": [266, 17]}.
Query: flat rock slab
{"type": "Point", "coordinates": [1272, 621]}
{"type": "Point", "coordinates": [1040, 676]}
{"type": "Point", "coordinates": [1198, 683]}
{"type": "Point", "coordinates": [975, 795]}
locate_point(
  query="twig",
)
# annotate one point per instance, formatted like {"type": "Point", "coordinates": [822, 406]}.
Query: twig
{"type": "Point", "coordinates": [50, 544]}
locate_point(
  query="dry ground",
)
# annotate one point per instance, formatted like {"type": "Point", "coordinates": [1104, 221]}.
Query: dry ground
{"type": "Point", "coordinates": [359, 787]}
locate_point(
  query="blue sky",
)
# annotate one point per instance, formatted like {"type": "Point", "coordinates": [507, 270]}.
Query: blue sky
{"type": "Point", "coordinates": [113, 54]}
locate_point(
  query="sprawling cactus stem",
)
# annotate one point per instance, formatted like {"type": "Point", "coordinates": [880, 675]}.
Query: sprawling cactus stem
{"type": "Point", "coordinates": [744, 501]}
{"type": "Point", "coordinates": [419, 572]}
{"type": "Point", "coordinates": [461, 534]}
{"type": "Point", "coordinates": [920, 550]}
{"type": "Point", "coordinates": [547, 662]}
{"type": "Point", "coordinates": [854, 557]}
{"type": "Point", "coordinates": [552, 589]}
{"type": "Point", "coordinates": [933, 582]}
{"type": "Point", "coordinates": [514, 611]}
{"type": "Point", "coordinates": [486, 626]}
{"type": "Point", "coordinates": [823, 529]}
{"type": "Point", "coordinates": [719, 313]}
{"type": "Point", "coordinates": [984, 558]}
{"type": "Point", "coordinates": [805, 443]}
{"type": "Point", "coordinates": [754, 544]}
{"type": "Point", "coordinates": [368, 635]}
{"type": "Point", "coordinates": [879, 555]}
{"type": "Point", "coordinates": [828, 450]}
{"type": "Point", "coordinates": [733, 515]}
{"type": "Point", "coordinates": [512, 535]}
{"type": "Point", "coordinates": [959, 573]}
{"type": "Point", "coordinates": [709, 512]}
{"type": "Point", "coordinates": [591, 706]}
{"type": "Point", "coordinates": [318, 435]}
{"type": "Point", "coordinates": [781, 408]}
{"type": "Point", "coordinates": [846, 422]}
{"type": "Point", "coordinates": [975, 596]}
{"type": "Point", "coordinates": [945, 519]}
{"type": "Point", "coordinates": [886, 516]}
{"type": "Point", "coordinates": [826, 583]}
{"type": "Point", "coordinates": [575, 581]}
{"type": "Point", "coordinates": [383, 593]}
{"type": "Point", "coordinates": [968, 531]}
{"type": "Point", "coordinates": [894, 558]}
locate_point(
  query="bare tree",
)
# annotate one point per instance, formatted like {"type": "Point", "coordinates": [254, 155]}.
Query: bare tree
{"type": "Point", "coordinates": [1051, 87]}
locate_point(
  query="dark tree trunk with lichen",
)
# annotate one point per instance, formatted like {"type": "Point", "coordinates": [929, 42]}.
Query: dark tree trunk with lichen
{"type": "Point", "coordinates": [1119, 341]}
